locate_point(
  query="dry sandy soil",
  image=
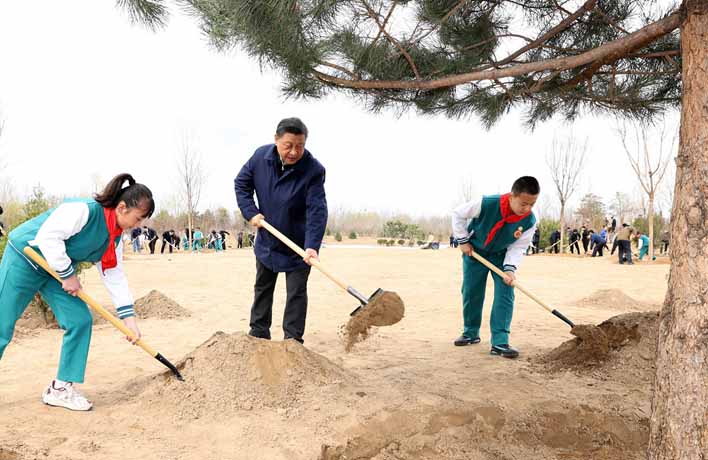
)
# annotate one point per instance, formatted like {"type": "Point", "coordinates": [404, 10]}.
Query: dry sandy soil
{"type": "Point", "coordinates": [405, 393]}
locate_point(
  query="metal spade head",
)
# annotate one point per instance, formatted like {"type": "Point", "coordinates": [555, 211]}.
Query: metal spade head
{"type": "Point", "coordinates": [364, 301]}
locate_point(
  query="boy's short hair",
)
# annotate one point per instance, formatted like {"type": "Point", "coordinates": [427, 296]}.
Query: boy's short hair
{"type": "Point", "coordinates": [526, 184]}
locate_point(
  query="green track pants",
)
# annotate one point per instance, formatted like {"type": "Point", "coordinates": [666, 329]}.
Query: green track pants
{"type": "Point", "coordinates": [474, 284]}
{"type": "Point", "coordinates": [19, 281]}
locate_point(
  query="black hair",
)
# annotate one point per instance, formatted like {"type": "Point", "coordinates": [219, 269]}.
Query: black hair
{"type": "Point", "coordinates": [291, 125]}
{"type": "Point", "coordinates": [1, 211]}
{"type": "Point", "coordinates": [526, 184]}
{"type": "Point", "coordinates": [134, 195]}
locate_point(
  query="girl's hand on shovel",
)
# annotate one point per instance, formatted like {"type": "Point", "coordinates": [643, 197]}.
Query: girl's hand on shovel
{"type": "Point", "coordinates": [131, 324]}
{"type": "Point", "coordinates": [72, 285]}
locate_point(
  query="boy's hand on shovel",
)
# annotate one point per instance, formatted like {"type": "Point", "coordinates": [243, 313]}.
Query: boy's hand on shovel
{"type": "Point", "coordinates": [509, 278]}
{"type": "Point", "coordinates": [467, 249]}
{"type": "Point", "coordinates": [132, 324]}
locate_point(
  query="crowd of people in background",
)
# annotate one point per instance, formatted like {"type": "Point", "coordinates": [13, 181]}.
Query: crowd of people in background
{"type": "Point", "coordinates": [595, 243]}
{"type": "Point", "coordinates": [146, 238]}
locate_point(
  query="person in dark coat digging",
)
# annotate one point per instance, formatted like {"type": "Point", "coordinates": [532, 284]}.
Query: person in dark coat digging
{"type": "Point", "coordinates": [289, 184]}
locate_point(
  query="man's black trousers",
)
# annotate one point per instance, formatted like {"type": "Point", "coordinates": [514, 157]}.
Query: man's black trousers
{"type": "Point", "coordinates": [295, 304]}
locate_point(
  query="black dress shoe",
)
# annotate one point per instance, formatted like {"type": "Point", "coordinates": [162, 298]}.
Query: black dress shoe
{"type": "Point", "coordinates": [463, 340]}
{"type": "Point", "coordinates": [505, 351]}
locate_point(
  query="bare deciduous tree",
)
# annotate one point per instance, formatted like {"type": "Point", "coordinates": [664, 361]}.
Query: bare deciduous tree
{"type": "Point", "coordinates": [192, 177]}
{"type": "Point", "coordinates": [467, 191]}
{"type": "Point", "coordinates": [649, 163]}
{"type": "Point", "coordinates": [565, 161]}
{"type": "Point", "coordinates": [623, 207]}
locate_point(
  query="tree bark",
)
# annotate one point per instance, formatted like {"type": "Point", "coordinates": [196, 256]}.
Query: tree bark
{"type": "Point", "coordinates": [191, 230]}
{"type": "Point", "coordinates": [562, 228]}
{"type": "Point", "coordinates": [679, 420]}
{"type": "Point", "coordinates": [650, 216]}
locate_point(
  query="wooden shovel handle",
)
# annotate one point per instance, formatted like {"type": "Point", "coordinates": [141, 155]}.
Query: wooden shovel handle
{"type": "Point", "coordinates": [516, 284]}
{"type": "Point", "coordinates": [301, 252]}
{"type": "Point", "coordinates": [39, 260]}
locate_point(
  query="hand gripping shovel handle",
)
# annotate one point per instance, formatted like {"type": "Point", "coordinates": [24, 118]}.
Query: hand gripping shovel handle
{"type": "Point", "coordinates": [518, 286]}
{"type": "Point", "coordinates": [39, 260]}
{"type": "Point", "coordinates": [315, 263]}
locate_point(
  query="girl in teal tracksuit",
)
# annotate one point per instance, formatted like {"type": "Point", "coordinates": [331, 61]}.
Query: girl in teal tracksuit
{"type": "Point", "coordinates": [499, 228]}
{"type": "Point", "coordinates": [81, 230]}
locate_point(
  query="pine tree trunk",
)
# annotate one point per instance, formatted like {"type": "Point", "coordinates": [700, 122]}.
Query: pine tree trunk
{"type": "Point", "coordinates": [650, 216]}
{"type": "Point", "coordinates": [562, 228]}
{"type": "Point", "coordinates": [679, 420]}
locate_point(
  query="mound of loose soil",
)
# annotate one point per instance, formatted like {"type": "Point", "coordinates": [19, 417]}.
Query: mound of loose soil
{"type": "Point", "coordinates": [385, 309]}
{"type": "Point", "coordinates": [232, 372]}
{"type": "Point", "coordinates": [153, 305]}
{"type": "Point", "coordinates": [7, 454]}
{"type": "Point", "coordinates": [157, 305]}
{"type": "Point", "coordinates": [613, 299]}
{"type": "Point", "coordinates": [492, 433]}
{"type": "Point", "coordinates": [623, 348]}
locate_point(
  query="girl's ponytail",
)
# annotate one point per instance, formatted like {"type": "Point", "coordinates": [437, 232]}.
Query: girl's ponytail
{"type": "Point", "coordinates": [135, 195]}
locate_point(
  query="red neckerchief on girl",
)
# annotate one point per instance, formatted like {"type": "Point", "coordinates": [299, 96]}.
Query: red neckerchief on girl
{"type": "Point", "coordinates": [109, 259]}
{"type": "Point", "coordinates": [508, 217]}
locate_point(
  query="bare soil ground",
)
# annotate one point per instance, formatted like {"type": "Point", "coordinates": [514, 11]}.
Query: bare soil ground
{"type": "Point", "coordinates": [403, 393]}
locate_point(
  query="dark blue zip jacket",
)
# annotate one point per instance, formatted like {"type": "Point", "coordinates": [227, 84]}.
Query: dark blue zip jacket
{"type": "Point", "coordinates": [294, 203]}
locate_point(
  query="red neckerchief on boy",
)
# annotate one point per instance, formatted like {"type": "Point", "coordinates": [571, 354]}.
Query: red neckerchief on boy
{"type": "Point", "coordinates": [109, 259]}
{"type": "Point", "coordinates": [508, 217]}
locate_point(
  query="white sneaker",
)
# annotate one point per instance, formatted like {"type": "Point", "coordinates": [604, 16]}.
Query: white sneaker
{"type": "Point", "coordinates": [67, 396]}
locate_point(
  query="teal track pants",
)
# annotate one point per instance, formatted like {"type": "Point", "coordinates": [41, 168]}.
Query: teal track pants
{"type": "Point", "coordinates": [474, 284]}
{"type": "Point", "coordinates": [19, 281]}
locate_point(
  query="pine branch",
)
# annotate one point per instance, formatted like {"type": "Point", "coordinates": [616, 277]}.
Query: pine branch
{"type": "Point", "coordinates": [150, 13]}
{"type": "Point", "coordinates": [611, 50]}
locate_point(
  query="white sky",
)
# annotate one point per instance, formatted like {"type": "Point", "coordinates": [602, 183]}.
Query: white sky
{"type": "Point", "coordinates": [84, 93]}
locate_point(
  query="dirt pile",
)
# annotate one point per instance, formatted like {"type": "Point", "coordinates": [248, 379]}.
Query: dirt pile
{"type": "Point", "coordinates": [153, 305]}
{"type": "Point", "coordinates": [7, 454]}
{"type": "Point", "coordinates": [385, 309]}
{"type": "Point", "coordinates": [613, 299]}
{"type": "Point", "coordinates": [157, 305]}
{"type": "Point", "coordinates": [542, 432]}
{"type": "Point", "coordinates": [623, 349]}
{"type": "Point", "coordinates": [231, 372]}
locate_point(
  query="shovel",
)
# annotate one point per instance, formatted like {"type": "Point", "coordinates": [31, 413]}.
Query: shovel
{"type": "Point", "coordinates": [97, 307]}
{"type": "Point", "coordinates": [516, 284]}
{"type": "Point", "coordinates": [317, 264]}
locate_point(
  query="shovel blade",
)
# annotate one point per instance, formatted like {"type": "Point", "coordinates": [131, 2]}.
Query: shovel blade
{"type": "Point", "coordinates": [376, 293]}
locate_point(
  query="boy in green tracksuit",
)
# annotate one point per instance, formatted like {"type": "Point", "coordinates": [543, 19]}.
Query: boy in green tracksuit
{"type": "Point", "coordinates": [75, 231]}
{"type": "Point", "coordinates": [499, 228]}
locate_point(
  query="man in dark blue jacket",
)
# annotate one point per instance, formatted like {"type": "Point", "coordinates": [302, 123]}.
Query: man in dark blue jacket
{"type": "Point", "coordinates": [289, 185]}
